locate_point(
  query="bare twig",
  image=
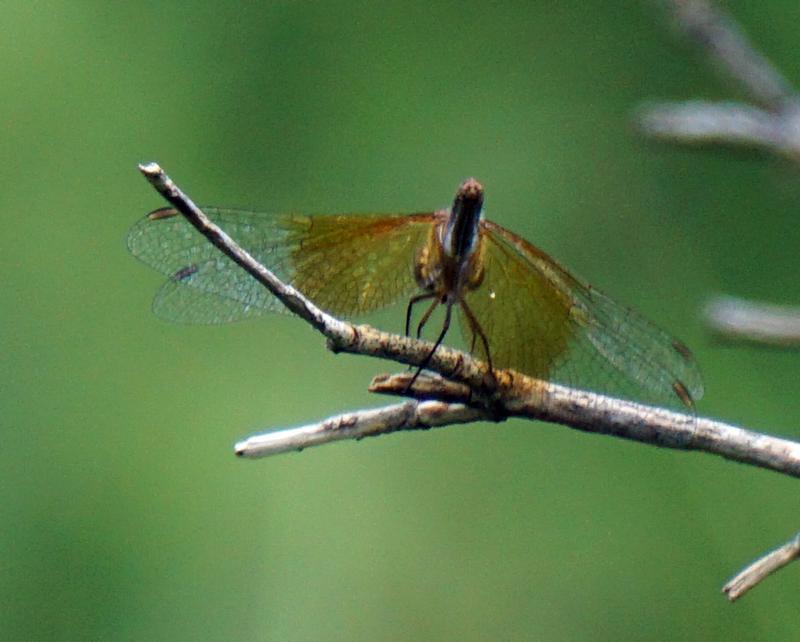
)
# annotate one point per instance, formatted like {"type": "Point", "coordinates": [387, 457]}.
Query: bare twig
{"type": "Point", "coordinates": [765, 323]}
{"type": "Point", "coordinates": [342, 336]}
{"type": "Point", "coordinates": [581, 410]}
{"type": "Point", "coordinates": [762, 568]}
{"type": "Point", "coordinates": [356, 425]}
{"type": "Point", "coordinates": [772, 124]}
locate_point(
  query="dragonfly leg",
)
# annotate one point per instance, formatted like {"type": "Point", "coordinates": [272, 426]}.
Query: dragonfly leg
{"type": "Point", "coordinates": [426, 316]}
{"type": "Point", "coordinates": [477, 331]}
{"type": "Point", "coordinates": [414, 300]}
{"type": "Point", "coordinates": [439, 339]}
{"type": "Point", "coordinates": [411, 302]}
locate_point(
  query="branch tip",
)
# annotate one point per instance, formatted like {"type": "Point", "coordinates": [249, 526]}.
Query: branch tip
{"type": "Point", "coordinates": [762, 568]}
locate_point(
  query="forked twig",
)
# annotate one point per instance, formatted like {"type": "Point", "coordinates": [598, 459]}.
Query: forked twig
{"type": "Point", "coordinates": [772, 123]}
{"type": "Point", "coordinates": [498, 396]}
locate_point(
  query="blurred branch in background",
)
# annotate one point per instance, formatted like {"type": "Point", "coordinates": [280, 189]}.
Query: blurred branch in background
{"type": "Point", "coordinates": [772, 123]}
{"type": "Point", "coordinates": [741, 320]}
{"type": "Point", "coordinates": [466, 390]}
{"type": "Point", "coordinates": [699, 122]}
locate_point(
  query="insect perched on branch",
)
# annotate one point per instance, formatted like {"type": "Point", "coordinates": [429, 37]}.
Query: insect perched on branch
{"type": "Point", "coordinates": [517, 307]}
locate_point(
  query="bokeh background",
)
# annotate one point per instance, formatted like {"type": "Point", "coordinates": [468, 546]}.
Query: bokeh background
{"type": "Point", "coordinates": [124, 514]}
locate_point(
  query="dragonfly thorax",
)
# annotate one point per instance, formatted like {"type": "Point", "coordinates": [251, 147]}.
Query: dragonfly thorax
{"type": "Point", "coordinates": [459, 237]}
{"type": "Point", "coordinates": [450, 261]}
{"type": "Point", "coordinates": [444, 275]}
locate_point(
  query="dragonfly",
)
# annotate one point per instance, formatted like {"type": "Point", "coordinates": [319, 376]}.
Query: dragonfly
{"type": "Point", "coordinates": [516, 306]}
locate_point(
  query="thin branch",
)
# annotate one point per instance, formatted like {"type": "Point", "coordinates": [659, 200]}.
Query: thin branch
{"type": "Point", "coordinates": [428, 385]}
{"type": "Point", "coordinates": [729, 48]}
{"type": "Point", "coordinates": [773, 123]}
{"type": "Point", "coordinates": [291, 298]}
{"type": "Point", "coordinates": [410, 415]}
{"type": "Point", "coordinates": [503, 394]}
{"type": "Point", "coordinates": [342, 336]}
{"type": "Point", "coordinates": [700, 122]}
{"type": "Point", "coordinates": [765, 323]}
{"type": "Point", "coordinates": [588, 412]}
{"type": "Point", "coordinates": [762, 568]}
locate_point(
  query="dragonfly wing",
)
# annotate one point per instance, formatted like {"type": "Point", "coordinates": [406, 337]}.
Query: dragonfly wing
{"type": "Point", "coordinates": [524, 319]}
{"type": "Point", "coordinates": [346, 264]}
{"type": "Point", "coordinates": [541, 320]}
{"type": "Point", "coordinates": [178, 302]}
{"type": "Point", "coordinates": [350, 264]}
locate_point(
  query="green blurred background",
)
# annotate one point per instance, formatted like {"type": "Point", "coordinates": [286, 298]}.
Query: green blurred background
{"type": "Point", "coordinates": [124, 513]}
